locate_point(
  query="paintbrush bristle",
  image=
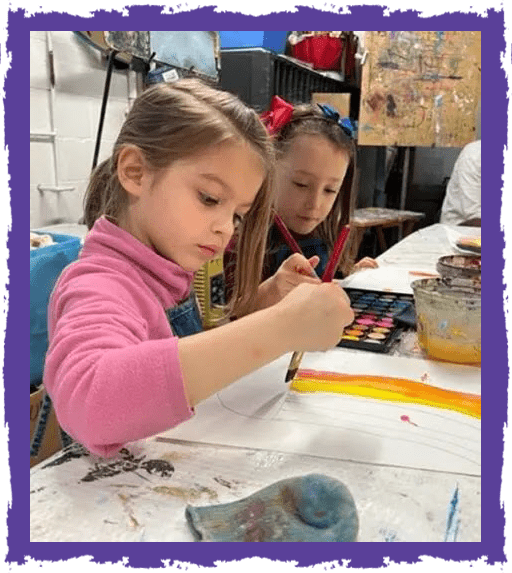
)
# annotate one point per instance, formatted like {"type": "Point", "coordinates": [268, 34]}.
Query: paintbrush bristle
{"type": "Point", "coordinates": [290, 375]}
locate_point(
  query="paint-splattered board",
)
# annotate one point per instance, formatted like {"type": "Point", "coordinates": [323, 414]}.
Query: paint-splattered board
{"type": "Point", "coordinates": [340, 102]}
{"type": "Point", "coordinates": [420, 88]}
{"type": "Point", "coordinates": [141, 494]}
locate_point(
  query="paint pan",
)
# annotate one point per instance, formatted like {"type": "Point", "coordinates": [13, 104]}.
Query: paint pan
{"type": "Point", "coordinates": [449, 320]}
{"type": "Point", "coordinates": [461, 270]}
{"type": "Point", "coordinates": [375, 327]}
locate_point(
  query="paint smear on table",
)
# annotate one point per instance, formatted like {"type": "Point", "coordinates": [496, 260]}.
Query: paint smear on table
{"type": "Point", "coordinates": [453, 521]}
{"type": "Point", "coordinates": [387, 388]}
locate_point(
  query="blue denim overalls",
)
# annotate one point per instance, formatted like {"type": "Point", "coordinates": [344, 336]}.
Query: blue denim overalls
{"type": "Point", "coordinates": [185, 319]}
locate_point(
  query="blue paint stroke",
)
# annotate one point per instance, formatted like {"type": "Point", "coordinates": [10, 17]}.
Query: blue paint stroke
{"type": "Point", "coordinates": [453, 521]}
{"type": "Point", "coordinates": [388, 535]}
{"type": "Point", "coordinates": [439, 41]}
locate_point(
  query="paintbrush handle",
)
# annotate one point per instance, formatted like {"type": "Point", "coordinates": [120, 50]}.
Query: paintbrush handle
{"type": "Point", "coordinates": [289, 240]}
{"type": "Point", "coordinates": [287, 236]}
{"type": "Point", "coordinates": [326, 277]}
{"type": "Point", "coordinates": [330, 269]}
{"type": "Point", "coordinates": [294, 365]}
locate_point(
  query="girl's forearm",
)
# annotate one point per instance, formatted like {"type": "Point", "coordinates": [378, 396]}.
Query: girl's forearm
{"type": "Point", "coordinates": [215, 358]}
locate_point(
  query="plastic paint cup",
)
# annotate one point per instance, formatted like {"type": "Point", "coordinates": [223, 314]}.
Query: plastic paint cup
{"type": "Point", "coordinates": [449, 321]}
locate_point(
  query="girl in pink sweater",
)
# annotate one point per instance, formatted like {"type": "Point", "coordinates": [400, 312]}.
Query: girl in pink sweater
{"type": "Point", "coordinates": [191, 163]}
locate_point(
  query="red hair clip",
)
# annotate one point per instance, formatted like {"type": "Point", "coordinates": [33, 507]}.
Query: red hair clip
{"type": "Point", "coordinates": [277, 116]}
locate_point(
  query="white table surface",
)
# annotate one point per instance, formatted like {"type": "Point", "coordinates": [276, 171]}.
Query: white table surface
{"type": "Point", "coordinates": [405, 261]}
{"type": "Point", "coordinates": [141, 494]}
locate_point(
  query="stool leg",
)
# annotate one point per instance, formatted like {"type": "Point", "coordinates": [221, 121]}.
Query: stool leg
{"type": "Point", "coordinates": [382, 240]}
{"type": "Point", "coordinates": [408, 225]}
{"type": "Point", "coordinates": [356, 236]}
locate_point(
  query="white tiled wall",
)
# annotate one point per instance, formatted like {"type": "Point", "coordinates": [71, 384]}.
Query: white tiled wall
{"type": "Point", "coordinates": [80, 72]}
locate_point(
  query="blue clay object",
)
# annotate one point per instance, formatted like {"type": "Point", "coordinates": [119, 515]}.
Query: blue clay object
{"type": "Point", "coordinates": [309, 508]}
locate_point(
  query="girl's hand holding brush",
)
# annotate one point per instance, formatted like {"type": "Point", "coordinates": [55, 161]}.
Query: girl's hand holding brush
{"type": "Point", "coordinates": [295, 270]}
{"type": "Point", "coordinates": [314, 316]}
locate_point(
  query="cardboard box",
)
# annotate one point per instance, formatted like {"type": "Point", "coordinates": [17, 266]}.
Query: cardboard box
{"type": "Point", "coordinates": [44, 422]}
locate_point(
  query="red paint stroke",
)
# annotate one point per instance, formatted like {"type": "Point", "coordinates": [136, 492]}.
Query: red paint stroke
{"type": "Point", "coordinates": [405, 418]}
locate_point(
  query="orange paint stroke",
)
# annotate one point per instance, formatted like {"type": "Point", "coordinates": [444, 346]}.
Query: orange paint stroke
{"type": "Point", "coordinates": [388, 388]}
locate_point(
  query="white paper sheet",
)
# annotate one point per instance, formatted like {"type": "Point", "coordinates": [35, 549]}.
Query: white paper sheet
{"type": "Point", "coordinates": [259, 411]}
{"type": "Point", "coordinates": [390, 279]}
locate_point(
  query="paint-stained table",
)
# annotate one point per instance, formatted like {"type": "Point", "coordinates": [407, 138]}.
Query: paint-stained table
{"type": "Point", "coordinates": [141, 494]}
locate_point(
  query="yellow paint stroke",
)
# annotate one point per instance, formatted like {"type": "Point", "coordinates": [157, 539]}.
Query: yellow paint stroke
{"type": "Point", "coordinates": [387, 388]}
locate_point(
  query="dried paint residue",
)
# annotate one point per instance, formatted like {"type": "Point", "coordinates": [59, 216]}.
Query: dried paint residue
{"type": "Point", "coordinates": [187, 494]}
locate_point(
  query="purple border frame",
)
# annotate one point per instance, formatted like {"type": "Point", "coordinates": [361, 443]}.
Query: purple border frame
{"type": "Point", "coordinates": [494, 126]}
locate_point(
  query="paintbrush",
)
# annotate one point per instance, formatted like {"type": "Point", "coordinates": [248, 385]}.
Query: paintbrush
{"type": "Point", "coordinates": [327, 277]}
{"type": "Point", "coordinates": [289, 240]}
{"type": "Point", "coordinates": [287, 236]}
{"type": "Point", "coordinates": [295, 248]}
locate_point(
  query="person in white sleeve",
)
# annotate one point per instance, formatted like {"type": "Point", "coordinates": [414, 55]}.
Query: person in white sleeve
{"type": "Point", "coordinates": [462, 203]}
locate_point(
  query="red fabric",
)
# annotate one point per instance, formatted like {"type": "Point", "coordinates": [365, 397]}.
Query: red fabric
{"type": "Point", "coordinates": [323, 52]}
{"type": "Point", "coordinates": [350, 62]}
{"type": "Point", "coordinates": [277, 116]}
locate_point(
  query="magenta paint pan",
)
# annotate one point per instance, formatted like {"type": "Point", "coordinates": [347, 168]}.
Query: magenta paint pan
{"type": "Point", "coordinates": [365, 321]}
{"type": "Point", "coordinates": [386, 322]}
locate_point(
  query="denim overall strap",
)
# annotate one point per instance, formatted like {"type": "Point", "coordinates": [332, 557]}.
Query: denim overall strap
{"type": "Point", "coordinates": [185, 319]}
{"type": "Point", "coordinates": [37, 439]}
{"type": "Point", "coordinates": [310, 246]}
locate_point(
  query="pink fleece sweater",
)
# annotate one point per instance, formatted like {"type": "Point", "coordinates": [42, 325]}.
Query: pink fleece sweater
{"type": "Point", "coordinates": [112, 368]}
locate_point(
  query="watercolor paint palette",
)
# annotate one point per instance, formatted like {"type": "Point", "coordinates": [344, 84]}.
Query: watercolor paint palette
{"type": "Point", "coordinates": [376, 325]}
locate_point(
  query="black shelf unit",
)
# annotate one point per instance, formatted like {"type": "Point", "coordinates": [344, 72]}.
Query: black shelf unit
{"type": "Point", "coordinates": [256, 74]}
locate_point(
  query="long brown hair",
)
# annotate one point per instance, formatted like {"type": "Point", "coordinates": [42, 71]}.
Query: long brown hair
{"type": "Point", "coordinates": [309, 120]}
{"type": "Point", "coordinates": [168, 122]}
